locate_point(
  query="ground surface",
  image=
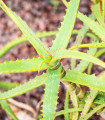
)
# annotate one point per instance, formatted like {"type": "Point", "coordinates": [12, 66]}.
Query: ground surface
{"type": "Point", "coordinates": [40, 15]}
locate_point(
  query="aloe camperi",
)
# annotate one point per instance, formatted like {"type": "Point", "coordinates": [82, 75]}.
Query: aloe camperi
{"type": "Point", "coordinates": [50, 59]}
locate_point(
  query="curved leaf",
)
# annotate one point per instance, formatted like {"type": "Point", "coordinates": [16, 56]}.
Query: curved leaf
{"type": "Point", "coordinates": [25, 65]}
{"type": "Point", "coordinates": [34, 83]}
{"type": "Point", "coordinates": [23, 39]}
{"type": "Point", "coordinates": [96, 45]}
{"type": "Point", "coordinates": [86, 80]}
{"type": "Point", "coordinates": [67, 26]}
{"type": "Point", "coordinates": [59, 54]}
{"type": "Point", "coordinates": [39, 46]}
{"type": "Point", "coordinates": [87, 116]}
{"type": "Point", "coordinates": [49, 107]}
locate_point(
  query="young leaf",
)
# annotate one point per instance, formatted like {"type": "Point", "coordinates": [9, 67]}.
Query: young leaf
{"type": "Point", "coordinates": [24, 65]}
{"type": "Point", "coordinates": [96, 45]}
{"type": "Point", "coordinates": [86, 80]}
{"type": "Point", "coordinates": [6, 107]}
{"type": "Point", "coordinates": [34, 83]}
{"type": "Point", "coordinates": [49, 107]}
{"type": "Point", "coordinates": [62, 37]}
{"type": "Point", "coordinates": [39, 46]}
{"type": "Point", "coordinates": [59, 54]}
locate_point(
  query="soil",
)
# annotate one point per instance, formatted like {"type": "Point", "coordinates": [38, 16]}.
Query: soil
{"type": "Point", "coordinates": [40, 15]}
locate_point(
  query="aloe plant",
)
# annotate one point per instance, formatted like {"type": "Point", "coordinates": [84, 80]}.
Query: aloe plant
{"type": "Point", "coordinates": [50, 60]}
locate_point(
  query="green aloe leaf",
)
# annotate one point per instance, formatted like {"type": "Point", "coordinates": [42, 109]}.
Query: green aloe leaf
{"type": "Point", "coordinates": [59, 54]}
{"type": "Point", "coordinates": [103, 8]}
{"type": "Point", "coordinates": [66, 29]}
{"type": "Point", "coordinates": [96, 45]}
{"type": "Point", "coordinates": [89, 102]}
{"type": "Point", "coordinates": [84, 64]}
{"type": "Point", "coordinates": [25, 65]}
{"type": "Point", "coordinates": [6, 107]}
{"type": "Point", "coordinates": [97, 12]}
{"type": "Point", "coordinates": [94, 26]}
{"type": "Point", "coordinates": [39, 46]}
{"type": "Point", "coordinates": [95, 1]}
{"type": "Point", "coordinates": [87, 116]}
{"type": "Point", "coordinates": [98, 54]}
{"type": "Point", "coordinates": [7, 85]}
{"type": "Point", "coordinates": [86, 80]}
{"type": "Point", "coordinates": [100, 99]}
{"type": "Point", "coordinates": [23, 39]}
{"type": "Point", "coordinates": [81, 34]}
{"type": "Point", "coordinates": [68, 111]}
{"type": "Point", "coordinates": [34, 83]}
{"type": "Point", "coordinates": [49, 107]}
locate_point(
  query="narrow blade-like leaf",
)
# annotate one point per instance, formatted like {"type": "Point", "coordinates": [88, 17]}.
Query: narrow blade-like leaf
{"type": "Point", "coordinates": [6, 107]}
{"type": "Point", "coordinates": [98, 54]}
{"type": "Point", "coordinates": [34, 83]}
{"type": "Point", "coordinates": [84, 64]}
{"type": "Point", "coordinates": [23, 39]}
{"type": "Point", "coordinates": [7, 85]}
{"type": "Point", "coordinates": [25, 65]}
{"type": "Point", "coordinates": [92, 112]}
{"type": "Point", "coordinates": [68, 111]}
{"type": "Point", "coordinates": [96, 45]}
{"type": "Point", "coordinates": [65, 31]}
{"type": "Point", "coordinates": [51, 91]}
{"type": "Point", "coordinates": [39, 46]}
{"type": "Point", "coordinates": [81, 34]}
{"type": "Point", "coordinates": [94, 26]}
{"type": "Point", "coordinates": [86, 80]}
{"type": "Point", "coordinates": [89, 102]}
{"type": "Point", "coordinates": [97, 12]}
{"type": "Point", "coordinates": [59, 54]}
